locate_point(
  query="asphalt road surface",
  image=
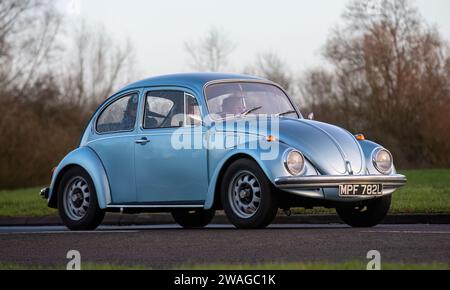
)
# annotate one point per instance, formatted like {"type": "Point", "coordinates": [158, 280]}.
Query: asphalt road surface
{"type": "Point", "coordinates": [163, 247]}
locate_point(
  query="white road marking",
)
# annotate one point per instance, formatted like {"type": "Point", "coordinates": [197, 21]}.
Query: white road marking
{"type": "Point", "coordinates": [384, 229]}
{"type": "Point", "coordinates": [66, 232]}
{"type": "Point", "coordinates": [408, 232]}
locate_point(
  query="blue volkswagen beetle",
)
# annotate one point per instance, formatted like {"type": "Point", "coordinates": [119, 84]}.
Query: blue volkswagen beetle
{"type": "Point", "coordinates": [191, 144]}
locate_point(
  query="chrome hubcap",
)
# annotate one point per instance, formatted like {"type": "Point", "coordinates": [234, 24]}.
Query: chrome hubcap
{"type": "Point", "coordinates": [76, 198]}
{"type": "Point", "coordinates": [244, 194]}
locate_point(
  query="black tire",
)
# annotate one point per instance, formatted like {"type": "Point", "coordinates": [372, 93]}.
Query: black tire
{"type": "Point", "coordinates": [93, 216]}
{"type": "Point", "coordinates": [367, 215]}
{"type": "Point", "coordinates": [267, 207]}
{"type": "Point", "coordinates": [193, 219]}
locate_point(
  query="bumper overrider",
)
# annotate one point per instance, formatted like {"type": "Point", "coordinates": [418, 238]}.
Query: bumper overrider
{"type": "Point", "coordinates": [329, 181]}
{"type": "Point", "coordinates": [44, 193]}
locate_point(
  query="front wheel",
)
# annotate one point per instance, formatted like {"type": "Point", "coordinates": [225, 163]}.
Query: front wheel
{"type": "Point", "coordinates": [247, 196]}
{"type": "Point", "coordinates": [193, 219]}
{"type": "Point", "coordinates": [366, 215]}
{"type": "Point", "coordinates": [77, 201]}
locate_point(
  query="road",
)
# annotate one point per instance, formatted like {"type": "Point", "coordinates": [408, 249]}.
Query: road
{"type": "Point", "coordinates": [163, 247]}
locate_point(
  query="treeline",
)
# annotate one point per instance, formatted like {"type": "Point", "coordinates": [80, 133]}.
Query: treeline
{"type": "Point", "coordinates": [387, 75]}
{"type": "Point", "coordinates": [53, 74]}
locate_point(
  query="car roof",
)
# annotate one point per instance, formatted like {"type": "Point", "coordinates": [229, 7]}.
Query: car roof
{"type": "Point", "coordinates": [197, 80]}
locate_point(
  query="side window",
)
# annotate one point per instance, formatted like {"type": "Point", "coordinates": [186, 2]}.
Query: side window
{"type": "Point", "coordinates": [119, 116]}
{"type": "Point", "coordinates": [170, 109]}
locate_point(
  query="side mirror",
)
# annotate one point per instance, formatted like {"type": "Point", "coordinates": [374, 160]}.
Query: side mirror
{"type": "Point", "coordinates": [311, 116]}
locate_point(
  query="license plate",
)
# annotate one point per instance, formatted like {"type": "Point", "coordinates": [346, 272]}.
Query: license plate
{"type": "Point", "coordinates": [348, 190]}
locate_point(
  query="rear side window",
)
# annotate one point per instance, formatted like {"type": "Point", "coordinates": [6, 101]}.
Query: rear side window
{"type": "Point", "coordinates": [119, 116]}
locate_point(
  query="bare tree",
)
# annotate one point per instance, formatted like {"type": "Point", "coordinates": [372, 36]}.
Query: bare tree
{"type": "Point", "coordinates": [28, 37]}
{"type": "Point", "coordinates": [318, 87]}
{"type": "Point", "coordinates": [98, 66]}
{"type": "Point", "coordinates": [210, 53]}
{"type": "Point", "coordinates": [49, 83]}
{"type": "Point", "coordinates": [270, 66]}
{"type": "Point", "coordinates": [390, 77]}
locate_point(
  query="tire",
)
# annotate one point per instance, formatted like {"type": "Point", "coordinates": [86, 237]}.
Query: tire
{"type": "Point", "coordinates": [193, 219]}
{"type": "Point", "coordinates": [367, 215]}
{"type": "Point", "coordinates": [247, 196]}
{"type": "Point", "coordinates": [82, 213]}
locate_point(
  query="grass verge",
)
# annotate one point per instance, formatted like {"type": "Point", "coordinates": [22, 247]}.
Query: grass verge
{"type": "Point", "coordinates": [262, 267]}
{"type": "Point", "coordinates": [427, 192]}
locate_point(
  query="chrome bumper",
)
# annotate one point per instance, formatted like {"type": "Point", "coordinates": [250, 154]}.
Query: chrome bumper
{"type": "Point", "coordinates": [328, 181]}
{"type": "Point", "coordinates": [44, 193]}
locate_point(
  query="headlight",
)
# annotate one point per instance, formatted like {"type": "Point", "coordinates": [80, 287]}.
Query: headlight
{"type": "Point", "coordinates": [294, 162]}
{"type": "Point", "coordinates": [382, 160]}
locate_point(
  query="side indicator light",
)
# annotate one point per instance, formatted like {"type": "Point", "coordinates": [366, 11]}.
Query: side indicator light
{"type": "Point", "coordinates": [270, 138]}
{"type": "Point", "coordinates": [360, 137]}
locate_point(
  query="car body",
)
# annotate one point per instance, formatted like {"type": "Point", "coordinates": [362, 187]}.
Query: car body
{"type": "Point", "coordinates": [127, 162]}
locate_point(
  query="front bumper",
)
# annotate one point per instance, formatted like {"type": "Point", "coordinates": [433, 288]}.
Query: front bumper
{"type": "Point", "coordinates": [329, 181]}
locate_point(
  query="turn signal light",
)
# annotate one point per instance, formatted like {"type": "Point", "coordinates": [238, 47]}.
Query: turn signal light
{"type": "Point", "coordinates": [360, 137]}
{"type": "Point", "coordinates": [270, 138]}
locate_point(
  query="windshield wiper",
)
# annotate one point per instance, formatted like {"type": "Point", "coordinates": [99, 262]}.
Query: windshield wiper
{"type": "Point", "coordinates": [286, 113]}
{"type": "Point", "coordinates": [245, 113]}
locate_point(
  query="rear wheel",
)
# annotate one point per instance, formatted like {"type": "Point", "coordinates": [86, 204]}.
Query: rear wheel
{"type": "Point", "coordinates": [77, 201]}
{"type": "Point", "coordinates": [368, 214]}
{"type": "Point", "coordinates": [194, 218]}
{"type": "Point", "coordinates": [247, 196]}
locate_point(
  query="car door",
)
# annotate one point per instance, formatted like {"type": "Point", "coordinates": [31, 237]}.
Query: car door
{"type": "Point", "coordinates": [115, 130]}
{"type": "Point", "coordinates": [167, 173]}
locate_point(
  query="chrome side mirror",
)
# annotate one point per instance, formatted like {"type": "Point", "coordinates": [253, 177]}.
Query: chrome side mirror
{"type": "Point", "coordinates": [311, 116]}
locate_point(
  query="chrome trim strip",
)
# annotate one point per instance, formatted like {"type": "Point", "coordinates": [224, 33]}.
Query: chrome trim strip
{"type": "Point", "coordinates": [314, 182]}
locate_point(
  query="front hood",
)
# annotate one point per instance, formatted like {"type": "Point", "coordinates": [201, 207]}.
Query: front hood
{"type": "Point", "coordinates": [332, 150]}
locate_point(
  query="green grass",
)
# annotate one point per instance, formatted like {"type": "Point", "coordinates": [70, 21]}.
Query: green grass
{"type": "Point", "coordinates": [318, 266]}
{"type": "Point", "coordinates": [427, 191]}
{"type": "Point", "coordinates": [87, 266]}
{"type": "Point", "coordinates": [262, 267]}
{"type": "Point", "coordinates": [23, 203]}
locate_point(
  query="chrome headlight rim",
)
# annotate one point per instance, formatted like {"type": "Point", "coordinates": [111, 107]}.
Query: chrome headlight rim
{"type": "Point", "coordinates": [286, 155]}
{"type": "Point", "coordinates": [375, 163]}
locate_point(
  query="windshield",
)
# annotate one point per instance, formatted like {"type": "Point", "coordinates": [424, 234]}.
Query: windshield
{"type": "Point", "coordinates": [241, 98]}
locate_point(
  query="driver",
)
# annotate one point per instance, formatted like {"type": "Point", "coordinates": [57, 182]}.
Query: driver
{"type": "Point", "coordinates": [233, 105]}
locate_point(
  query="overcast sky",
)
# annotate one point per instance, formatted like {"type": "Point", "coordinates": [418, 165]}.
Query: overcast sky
{"type": "Point", "coordinates": [294, 29]}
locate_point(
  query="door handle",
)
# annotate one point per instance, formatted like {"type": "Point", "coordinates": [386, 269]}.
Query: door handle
{"type": "Point", "coordinates": [142, 141]}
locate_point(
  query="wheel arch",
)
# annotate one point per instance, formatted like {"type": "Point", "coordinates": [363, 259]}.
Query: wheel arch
{"type": "Point", "coordinates": [87, 159]}
{"type": "Point", "coordinates": [213, 198]}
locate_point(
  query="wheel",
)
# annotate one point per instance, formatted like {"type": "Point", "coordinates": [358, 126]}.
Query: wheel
{"type": "Point", "coordinates": [247, 196]}
{"type": "Point", "coordinates": [193, 219]}
{"type": "Point", "coordinates": [77, 201]}
{"type": "Point", "coordinates": [366, 215]}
